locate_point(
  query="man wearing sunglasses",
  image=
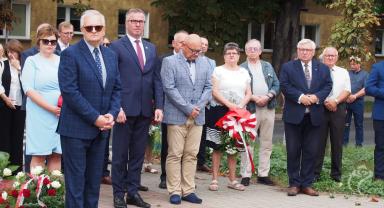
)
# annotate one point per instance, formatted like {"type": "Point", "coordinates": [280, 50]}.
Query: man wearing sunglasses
{"type": "Point", "coordinates": [65, 35]}
{"type": "Point", "coordinates": [141, 101]}
{"type": "Point", "coordinates": [90, 86]}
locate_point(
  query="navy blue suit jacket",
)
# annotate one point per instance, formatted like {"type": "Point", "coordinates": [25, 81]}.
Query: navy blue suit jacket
{"type": "Point", "coordinates": [141, 90]}
{"type": "Point", "coordinates": [293, 84]}
{"type": "Point", "coordinates": [375, 88]}
{"type": "Point", "coordinates": [84, 97]}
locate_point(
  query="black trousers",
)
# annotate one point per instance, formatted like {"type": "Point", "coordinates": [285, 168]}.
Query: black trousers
{"type": "Point", "coordinates": [302, 142]}
{"type": "Point", "coordinates": [12, 124]}
{"type": "Point", "coordinates": [164, 151]}
{"type": "Point", "coordinates": [333, 126]}
{"type": "Point", "coordinates": [378, 126]}
{"type": "Point", "coordinates": [201, 154]}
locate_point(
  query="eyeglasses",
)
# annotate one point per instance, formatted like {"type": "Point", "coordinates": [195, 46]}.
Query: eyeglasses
{"type": "Point", "coordinates": [194, 51]}
{"type": "Point", "coordinates": [67, 33]}
{"type": "Point", "coordinates": [47, 42]}
{"type": "Point", "coordinates": [253, 49]}
{"type": "Point", "coordinates": [231, 54]}
{"type": "Point", "coordinates": [90, 28]}
{"type": "Point", "coordinates": [305, 50]}
{"type": "Point", "coordinates": [330, 56]}
{"type": "Point", "coordinates": [136, 21]}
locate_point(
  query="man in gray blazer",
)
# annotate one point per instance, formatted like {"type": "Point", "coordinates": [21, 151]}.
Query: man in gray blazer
{"type": "Point", "coordinates": [187, 87]}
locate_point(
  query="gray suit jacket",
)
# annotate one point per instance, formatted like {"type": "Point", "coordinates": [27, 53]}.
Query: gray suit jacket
{"type": "Point", "coordinates": [181, 95]}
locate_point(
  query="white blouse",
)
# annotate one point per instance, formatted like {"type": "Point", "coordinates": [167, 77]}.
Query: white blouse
{"type": "Point", "coordinates": [232, 84]}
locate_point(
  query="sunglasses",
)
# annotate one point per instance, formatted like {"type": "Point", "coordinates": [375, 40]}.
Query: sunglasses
{"type": "Point", "coordinates": [90, 28]}
{"type": "Point", "coordinates": [48, 42]}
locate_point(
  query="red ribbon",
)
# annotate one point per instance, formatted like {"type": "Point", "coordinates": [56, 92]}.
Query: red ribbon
{"type": "Point", "coordinates": [237, 122]}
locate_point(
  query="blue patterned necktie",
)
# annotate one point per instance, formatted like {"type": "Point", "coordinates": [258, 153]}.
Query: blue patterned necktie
{"type": "Point", "coordinates": [98, 62]}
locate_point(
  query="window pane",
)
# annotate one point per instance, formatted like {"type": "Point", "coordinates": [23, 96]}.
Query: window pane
{"type": "Point", "coordinates": [310, 32]}
{"type": "Point", "coordinates": [60, 15]}
{"type": "Point", "coordinates": [379, 42]}
{"type": "Point", "coordinates": [20, 11]}
{"type": "Point", "coordinates": [75, 19]}
{"type": "Point", "coordinates": [256, 31]}
{"type": "Point", "coordinates": [121, 23]}
{"type": "Point", "coordinates": [269, 35]}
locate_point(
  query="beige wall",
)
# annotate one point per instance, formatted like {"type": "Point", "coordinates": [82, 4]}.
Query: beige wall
{"type": "Point", "coordinates": [46, 11]}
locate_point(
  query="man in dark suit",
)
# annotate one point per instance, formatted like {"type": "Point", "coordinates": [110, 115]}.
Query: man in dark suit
{"type": "Point", "coordinates": [65, 36]}
{"type": "Point", "coordinates": [375, 88]}
{"type": "Point", "coordinates": [141, 93]}
{"type": "Point", "coordinates": [90, 85]}
{"type": "Point", "coordinates": [177, 43]}
{"type": "Point", "coordinates": [305, 84]}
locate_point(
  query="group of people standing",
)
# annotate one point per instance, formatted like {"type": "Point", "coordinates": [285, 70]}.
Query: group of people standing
{"type": "Point", "coordinates": [126, 86]}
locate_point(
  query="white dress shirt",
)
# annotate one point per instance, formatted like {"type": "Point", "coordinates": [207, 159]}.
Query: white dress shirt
{"type": "Point", "coordinates": [132, 39]}
{"type": "Point", "coordinates": [341, 82]}
{"type": "Point", "coordinates": [15, 87]}
{"type": "Point", "coordinates": [62, 45]}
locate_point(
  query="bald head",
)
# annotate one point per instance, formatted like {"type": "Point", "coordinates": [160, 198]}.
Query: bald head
{"type": "Point", "coordinates": [192, 47]}
{"type": "Point", "coordinates": [178, 40]}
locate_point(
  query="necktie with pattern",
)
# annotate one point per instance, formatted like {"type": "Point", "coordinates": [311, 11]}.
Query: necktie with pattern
{"type": "Point", "coordinates": [98, 61]}
{"type": "Point", "coordinates": [139, 54]}
{"type": "Point", "coordinates": [307, 75]}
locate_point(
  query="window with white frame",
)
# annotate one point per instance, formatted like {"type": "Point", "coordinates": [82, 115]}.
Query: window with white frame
{"type": "Point", "coordinates": [310, 32]}
{"type": "Point", "coordinates": [21, 28]}
{"type": "Point", "coordinates": [121, 24]}
{"type": "Point", "coordinates": [379, 42]}
{"type": "Point", "coordinates": [68, 14]}
{"type": "Point", "coordinates": [263, 32]}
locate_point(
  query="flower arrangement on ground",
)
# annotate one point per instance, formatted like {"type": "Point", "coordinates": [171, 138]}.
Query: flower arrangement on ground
{"type": "Point", "coordinates": [238, 129]}
{"type": "Point", "coordinates": [38, 189]}
{"type": "Point", "coordinates": [6, 168]}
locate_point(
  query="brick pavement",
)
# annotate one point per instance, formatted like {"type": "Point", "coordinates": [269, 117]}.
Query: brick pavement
{"type": "Point", "coordinates": [255, 196]}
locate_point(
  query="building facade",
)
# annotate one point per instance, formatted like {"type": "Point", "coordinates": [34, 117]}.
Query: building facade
{"type": "Point", "coordinates": [315, 23]}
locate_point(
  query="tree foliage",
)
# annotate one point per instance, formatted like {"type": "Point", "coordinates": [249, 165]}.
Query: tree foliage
{"type": "Point", "coordinates": [351, 35]}
{"type": "Point", "coordinates": [221, 21]}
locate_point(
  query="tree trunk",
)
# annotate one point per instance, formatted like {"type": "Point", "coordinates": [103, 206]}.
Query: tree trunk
{"type": "Point", "coordinates": [286, 33]}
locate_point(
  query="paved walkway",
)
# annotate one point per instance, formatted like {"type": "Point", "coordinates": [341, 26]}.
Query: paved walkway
{"type": "Point", "coordinates": [255, 196]}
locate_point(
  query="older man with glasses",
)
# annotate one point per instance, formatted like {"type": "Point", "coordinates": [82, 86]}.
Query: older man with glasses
{"type": "Point", "coordinates": [187, 87]}
{"type": "Point", "coordinates": [335, 112]}
{"type": "Point", "coordinates": [305, 83]}
{"type": "Point", "coordinates": [90, 85]}
{"type": "Point", "coordinates": [265, 87]}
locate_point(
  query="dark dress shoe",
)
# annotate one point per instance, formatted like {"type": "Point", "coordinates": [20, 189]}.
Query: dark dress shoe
{"type": "Point", "coordinates": [265, 181]}
{"type": "Point", "coordinates": [336, 178]}
{"type": "Point", "coordinates": [309, 191]}
{"type": "Point", "coordinates": [163, 185]}
{"type": "Point", "coordinates": [142, 188]}
{"type": "Point", "coordinates": [245, 181]}
{"type": "Point", "coordinates": [204, 168]}
{"type": "Point", "coordinates": [118, 202]}
{"type": "Point", "coordinates": [293, 191]}
{"type": "Point", "coordinates": [138, 201]}
{"type": "Point", "coordinates": [106, 180]}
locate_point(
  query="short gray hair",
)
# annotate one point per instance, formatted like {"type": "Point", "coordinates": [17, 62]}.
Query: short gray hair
{"type": "Point", "coordinates": [249, 42]}
{"type": "Point", "coordinates": [133, 10]}
{"type": "Point", "coordinates": [91, 13]}
{"type": "Point", "coordinates": [309, 42]}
